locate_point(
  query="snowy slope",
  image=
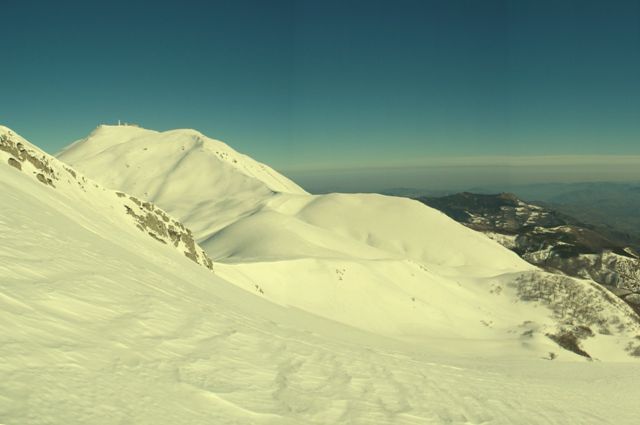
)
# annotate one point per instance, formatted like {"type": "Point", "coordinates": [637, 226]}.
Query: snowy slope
{"type": "Point", "coordinates": [102, 324]}
{"type": "Point", "coordinates": [128, 340]}
{"type": "Point", "coordinates": [387, 265]}
{"type": "Point", "coordinates": [190, 174]}
{"type": "Point", "coordinates": [210, 196]}
{"type": "Point", "coordinates": [84, 199]}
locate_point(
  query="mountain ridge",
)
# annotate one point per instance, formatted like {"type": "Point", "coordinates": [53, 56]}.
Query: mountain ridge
{"type": "Point", "coordinates": [148, 218]}
{"type": "Point", "coordinates": [287, 246]}
{"type": "Point", "coordinates": [552, 240]}
{"type": "Point", "coordinates": [101, 322]}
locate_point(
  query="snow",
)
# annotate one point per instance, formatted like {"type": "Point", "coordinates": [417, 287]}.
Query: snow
{"type": "Point", "coordinates": [266, 209]}
{"type": "Point", "coordinates": [222, 206]}
{"type": "Point", "coordinates": [100, 323]}
{"type": "Point", "coordinates": [322, 254]}
{"type": "Point", "coordinates": [186, 172]}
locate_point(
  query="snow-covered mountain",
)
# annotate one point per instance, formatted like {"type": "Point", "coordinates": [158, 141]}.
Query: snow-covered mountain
{"type": "Point", "coordinates": [325, 254]}
{"type": "Point", "coordinates": [190, 174]}
{"type": "Point", "coordinates": [549, 239]}
{"type": "Point", "coordinates": [87, 202]}
{"type": "Point", "coordinates": [210, 188]}
{"type": "Point", "coordinates": [368, 317]}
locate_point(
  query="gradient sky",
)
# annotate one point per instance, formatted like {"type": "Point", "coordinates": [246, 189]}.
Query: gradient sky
{"type": "Point", "coordinates": [308, 86]}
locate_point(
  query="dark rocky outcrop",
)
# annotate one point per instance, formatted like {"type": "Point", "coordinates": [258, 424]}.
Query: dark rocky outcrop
{"type": "Point", "coordinates": [20, 154]}
{"type": "Point", "coordinates": [15, 163]}
{"type": "Point", "coordinates": [551, 240]}
{"type": "Point", "coordinates": [148, 218]}
{"type": "Point", "coordinates": [569, 340]}
{"type": "Point", "coordinates": [163, 228]}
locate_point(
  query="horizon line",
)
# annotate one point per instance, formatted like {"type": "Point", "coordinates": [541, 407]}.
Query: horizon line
{"type": "Point", "coordinates": [478, 161]}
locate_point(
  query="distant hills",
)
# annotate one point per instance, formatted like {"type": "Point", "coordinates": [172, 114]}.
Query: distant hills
{"type": "Point", "coordinates": [550, 239]}
{"type": "Point", "coordinates": [612, 207]}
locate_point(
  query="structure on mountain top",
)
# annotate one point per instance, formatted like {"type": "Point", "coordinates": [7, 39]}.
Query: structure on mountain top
{"type": "Point", "coordinates": [120, 123]}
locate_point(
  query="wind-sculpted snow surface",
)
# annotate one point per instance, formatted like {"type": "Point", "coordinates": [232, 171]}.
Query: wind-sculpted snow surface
{"type": "Point", "coordinates": [386, 265]}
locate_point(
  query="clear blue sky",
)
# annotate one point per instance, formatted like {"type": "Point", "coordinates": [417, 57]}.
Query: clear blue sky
{"type": "Point", "coordinates": [317, 84]}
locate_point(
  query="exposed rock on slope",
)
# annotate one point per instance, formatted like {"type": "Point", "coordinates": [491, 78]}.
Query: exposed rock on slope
{"type": "Point", "coordinates": [546, 238]}
{"type": "Point", "coordinates": [49, 171]}
{"type": "Point", "coordinates": [100, 324]}
{"type": "Point", "coordinates": [19, 154]}
{"type": "Point", "coordinates": [422, 274]}
{"type": "Point", "coordinates": [201, 181]}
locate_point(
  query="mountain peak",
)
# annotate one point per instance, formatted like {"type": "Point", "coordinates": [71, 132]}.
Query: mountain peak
{"type": "Point", "coordinates": [28, 165]}
{"type": "Point", "coordinates": [171, 150]}
{"type": "Point", "coordinates": [509, 196]}
{"type": "Point", "coordinates": [119, 130]}
{"type": "Point", "coordinates": [177, 169]}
